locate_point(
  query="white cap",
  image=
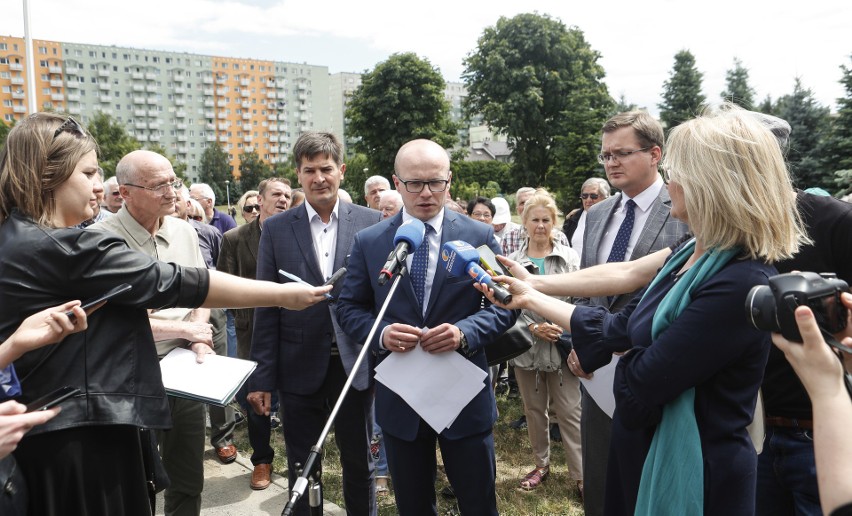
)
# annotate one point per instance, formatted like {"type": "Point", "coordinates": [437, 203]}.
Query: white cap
{"type": "Point", "coordinates": [501, 212]}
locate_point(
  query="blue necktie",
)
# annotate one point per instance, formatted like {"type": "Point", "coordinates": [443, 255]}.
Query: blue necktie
{"type": "Point", "coordinates": [619, 246]}
{"type": "Point", "coordinates": [419, 266]}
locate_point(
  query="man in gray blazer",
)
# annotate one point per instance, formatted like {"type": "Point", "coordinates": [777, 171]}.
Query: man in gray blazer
{"type": "Point", "coordinates": [627, 226]}
{"type": "Point", "coordinates": [238, 256]}
{"type": "Point", "coordinates": [300, 353]}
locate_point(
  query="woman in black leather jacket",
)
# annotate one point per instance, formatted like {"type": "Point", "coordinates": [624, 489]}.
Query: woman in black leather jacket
{"type": "Point", "coordinates": [89, 458]}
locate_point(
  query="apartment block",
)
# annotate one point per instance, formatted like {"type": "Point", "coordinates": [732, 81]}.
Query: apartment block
{"type": "Point", "coordinates": [49, 78]}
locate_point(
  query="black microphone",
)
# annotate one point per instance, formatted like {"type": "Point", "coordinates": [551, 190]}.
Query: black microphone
{"type": "Point", "coordinates": [408, 238]}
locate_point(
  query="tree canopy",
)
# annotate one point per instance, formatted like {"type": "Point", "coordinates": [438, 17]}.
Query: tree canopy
{"type": "Point", "coordinates": [836, 153]}
{"type": "Point", "coordinates": [809, 122]}
{"type": "Point", "coordinates": [737, 89]}
{"type": "Point", "coordinates": [401, 99]}
{"type": "Point", "coordinates": [253, 170]}
{"type": "Point", "coordinates": [114, 142]}
{"type": "Point", "coordinates": [539, 82]}
{"type": "Point", "coordinates": [682, 97]}
{"type": "Point", "coordinates": [215, 169]}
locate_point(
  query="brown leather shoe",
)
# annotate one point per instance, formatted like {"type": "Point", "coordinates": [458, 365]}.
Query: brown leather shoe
{"type": "Point", "coordinates": [227, 454]}
{"type": "Point", "coordinates": [261, 477]}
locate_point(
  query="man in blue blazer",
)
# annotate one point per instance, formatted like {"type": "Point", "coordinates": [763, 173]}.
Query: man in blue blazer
{"type": "Point", "coordinates": [300, 353]}
{"type": "Point", "coordinates": [448, 319]}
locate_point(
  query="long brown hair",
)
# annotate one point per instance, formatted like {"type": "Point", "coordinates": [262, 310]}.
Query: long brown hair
{"type": "Point", "coordinates": [34, 163]}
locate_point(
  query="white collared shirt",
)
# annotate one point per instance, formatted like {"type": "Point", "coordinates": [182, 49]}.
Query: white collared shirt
{"type": "Point", "coordinates": [643, 201]}
{"type": "Point", "coordinates": [324, 237]}
{"type": "Point", "coordinates": [434, 242]}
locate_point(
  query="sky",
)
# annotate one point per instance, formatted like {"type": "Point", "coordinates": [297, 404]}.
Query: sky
{"type": "Point", "coordinates": [776, 41]}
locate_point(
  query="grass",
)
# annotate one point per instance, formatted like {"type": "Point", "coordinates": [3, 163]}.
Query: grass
{"type": "Point", "coordinates": [556, 496]}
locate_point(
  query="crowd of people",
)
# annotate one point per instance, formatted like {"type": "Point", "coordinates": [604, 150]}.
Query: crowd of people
{"type": "Point", "coordinates": [639, 353]}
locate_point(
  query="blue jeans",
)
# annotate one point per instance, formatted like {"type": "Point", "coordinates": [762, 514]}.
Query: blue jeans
{"type": "Point", "coordinates": [786, 474]}
{"type": "Point", "coordinates": [232, 334]}
{"type": "Point", "coordinates": [382, 459]}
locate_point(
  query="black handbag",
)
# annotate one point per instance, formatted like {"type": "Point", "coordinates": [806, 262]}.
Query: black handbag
{"type": "Point", "coordinates": [516, 341]}
{"type": "Point", "coordinates": [13, 488]}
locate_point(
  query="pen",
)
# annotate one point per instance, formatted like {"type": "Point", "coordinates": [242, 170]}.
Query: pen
{"type": "Point", "coordinates": [297, 279]}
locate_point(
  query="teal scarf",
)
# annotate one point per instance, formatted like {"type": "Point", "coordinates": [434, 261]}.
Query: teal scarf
{"type": "Point", "coordinates": [672, 480]}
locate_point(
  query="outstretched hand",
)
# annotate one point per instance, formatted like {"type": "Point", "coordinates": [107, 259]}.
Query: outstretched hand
{"type": "Point", "coordinates": [49, 326]}
{"type": "Point", "coordinates": [521, 292]}
{"type": "Point", "coordinates": [517, 270]}
{"type": "Point", "coordinates": [299, 297]}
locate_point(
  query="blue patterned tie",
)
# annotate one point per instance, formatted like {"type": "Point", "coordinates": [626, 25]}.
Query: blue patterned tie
{"type": "Point", "coordinates": [419, 266]}
{"type": "Point", "coordinates": [619, 246]}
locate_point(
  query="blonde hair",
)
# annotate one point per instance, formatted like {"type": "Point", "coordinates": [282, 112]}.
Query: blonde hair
{"type": "Point", "coordinates": [242, 202]}
{"type": "Point", "coordinates": [34, 164]}
{"type": "Point", "coordinates": [541, 198]}
{"type": "Point", "coordinates": [736, 187]}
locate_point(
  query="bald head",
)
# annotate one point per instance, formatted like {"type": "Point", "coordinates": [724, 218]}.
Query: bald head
{"type": "Point", "coordinates": [146, 180]}
{"type": "Point", "coordinates": [422, 176]}
{"type": "Point", "coordinates": [135, 164]}
{"type": "Point", "coordinates": [421, 153]}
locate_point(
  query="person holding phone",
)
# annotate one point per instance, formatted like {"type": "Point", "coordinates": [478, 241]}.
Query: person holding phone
{"type": "Point", "coordinates": [46, 183]}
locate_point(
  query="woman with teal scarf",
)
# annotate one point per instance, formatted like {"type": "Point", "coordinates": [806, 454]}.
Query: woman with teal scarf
{"type": "Point", "coordinates": [687, 382]}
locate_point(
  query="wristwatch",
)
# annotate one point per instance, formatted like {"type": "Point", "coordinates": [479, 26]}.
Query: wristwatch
{"type": "Point", "coordinates": [463, 343]}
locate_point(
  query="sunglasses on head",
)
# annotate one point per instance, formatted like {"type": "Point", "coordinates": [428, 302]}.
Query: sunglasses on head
{"type": "Point", "coordinates": [248, 208]}
{"type": "Point", "coordinates": [70, 126]}
{"type": "Point", "coordinates": [592, 196]}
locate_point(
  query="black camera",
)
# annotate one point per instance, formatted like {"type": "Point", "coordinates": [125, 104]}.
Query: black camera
{"type": "Point", "coordinates": [772, 307]}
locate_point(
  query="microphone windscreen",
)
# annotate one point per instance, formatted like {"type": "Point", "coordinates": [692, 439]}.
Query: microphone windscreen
{"type": "Point", "coordinates": [411, 232]}
{"type": "Point", "coordinates": [456, 255]}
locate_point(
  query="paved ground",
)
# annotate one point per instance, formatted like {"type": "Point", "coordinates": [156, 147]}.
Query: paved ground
{"type": "Point", "coordinates": [227, 491]}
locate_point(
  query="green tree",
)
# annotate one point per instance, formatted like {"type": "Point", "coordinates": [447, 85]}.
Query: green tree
{"type": "Point", "coordinates": [540, 83]}
{"type": "Point", "coordinates": [810, 123]}
{"type": "Point", "coordinates": [215, 169]}
{"type": "Point", "coordinates": [4, 130]}
{"type": "Point", "coordinates": [766, 106]}
{"type": "Point", "coordinates": [682, 97]}
{"type": "Point", "coordinates": [253, 170]}
{"type": "Point", "coordinates": [737, 89]}
{"type": "Point", "coordinates": [285, 168]}
{"type": "Point", "coordinates": [622, 106]}
{"type": "Point", "coordinates": [357, 171]}
{"type": "Point", "coordinates": [114, 142]}
{"type": "Point", "coordinates": [399, 100]}
{"type": "Point", "coordinates": [837, 149]}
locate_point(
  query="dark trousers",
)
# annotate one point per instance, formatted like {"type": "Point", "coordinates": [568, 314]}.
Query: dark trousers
{"type": "Point", "coordinates": [595, 429]}
{"type": "Point", "coordinates": [303, 418]}
{"type": "Point", "coordinates": [222, 420]}
{"type": "Point", "coordinates": [469, 463]}
{"type": "Point", "coordinates": [786, 474]}
{"type": "Point", "coordinates": [259, 429]}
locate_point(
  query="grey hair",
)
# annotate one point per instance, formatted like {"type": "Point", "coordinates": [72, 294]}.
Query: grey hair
{"type": "Point", "coordinates": [206, 191]}
{"type": "Point", "coordinates": [602, 184]}
{"type": "Point", "coordinates": [374, 180]}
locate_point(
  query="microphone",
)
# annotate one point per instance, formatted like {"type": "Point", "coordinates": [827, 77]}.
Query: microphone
{"type": "Point", "coordinates": [408, 238]}
{"type": "Point", "coordinates": [461, 258]}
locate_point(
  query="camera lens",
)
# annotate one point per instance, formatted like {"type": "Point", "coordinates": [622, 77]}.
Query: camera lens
{"type": "Point", "coordinates": [760, 309]}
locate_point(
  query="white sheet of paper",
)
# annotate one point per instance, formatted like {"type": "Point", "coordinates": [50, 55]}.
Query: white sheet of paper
{"type": "Point", "coordinates": [600, 386]}
{"type": "Point", "coordinates": [216, 380]}
{"type": "Point", "coordinates": [437, 386]}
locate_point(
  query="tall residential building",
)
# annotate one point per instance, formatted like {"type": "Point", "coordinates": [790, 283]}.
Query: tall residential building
{"type": "Point", "coordinates": [50, 92]}
{"type": "Point", "coordinates": [341, 86]}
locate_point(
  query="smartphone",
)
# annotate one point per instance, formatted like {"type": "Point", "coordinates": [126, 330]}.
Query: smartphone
{"type": "Point", "coordinates": [89, 303]}
{"type": "Point", "coordinates": [489, 261]}
{"type": "Point", "coordinates": [336, 276]}
{"type": "Point", "coordinates": [54, 398]}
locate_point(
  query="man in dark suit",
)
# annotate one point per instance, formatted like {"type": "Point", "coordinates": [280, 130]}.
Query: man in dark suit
{"type": "Point", "coordinates": [297, 352]}
{"type": "Point", "coordinates": [238, 256]}
{"type": "Point", "coordinates": [627, 226]}
{"type": "Point", "coordinates": [441, 314]}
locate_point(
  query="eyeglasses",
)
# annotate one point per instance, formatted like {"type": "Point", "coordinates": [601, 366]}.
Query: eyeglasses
{"type": "Point", "coordinates": [481, 214]}
{"type": "Point", "coordinates": [618, 155]}
{"type": "Point", "coordinates": [435, 185]}
{"type": "Point", "coordinates": [162, 189]}
{"type": "Point", "coordinates": [199, 218]}
{"type": "Point", "coordinates": [592, 196]}
{"type": "Point", "coordinates": [248, 208]}
{"type": "Point", "coordinates": [70, 126]}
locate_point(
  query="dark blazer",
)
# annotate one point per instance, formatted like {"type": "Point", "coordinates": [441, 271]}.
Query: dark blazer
{"type": "Point", "coordinates": [238, 256]}
{"type": "Point", "coordinates": [660, 231]}
{"type": "Point", "coordinates": [292, 348]}
{"type": "Point", "coordinates": [452, 300]}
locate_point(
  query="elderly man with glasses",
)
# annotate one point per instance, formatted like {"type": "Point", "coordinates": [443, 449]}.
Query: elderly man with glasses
{"type": "Point", "coordinates": [202, 193]}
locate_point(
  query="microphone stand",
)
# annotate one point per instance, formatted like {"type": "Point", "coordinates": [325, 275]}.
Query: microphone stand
{"type": "Point", "coordinates": [309, 477]}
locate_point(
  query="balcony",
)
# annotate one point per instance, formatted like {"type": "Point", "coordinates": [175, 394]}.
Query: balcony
{"type": "Point", "coordinates": [181, 150]}
{"type": "Point", "coordinates": [245, 104]}
{"type": "Point", "coordinates": [154, 125]}
{"type": "Point", "coordinates": [178, 77]}
{"type": "Point", "coordinates": [139, 113]}
{"type": "Point", "coordinates": [19, 109]}
{"type": "Point", "coordinates": [152, 100]}
{"type": "Point", "coordinates": [209, 103]}
{"type": "Point", "coordinates": [282, 116]}
{"type": "Point", "coordinates": [221, 114]}
{"type": "Point", "coordinates": [221, 91]}
{"type": "Point", "coordinates": [106, 99]}
{"type": "Point", "coordinates": [222, 102]}
{"type": "Point", "coordinates": [244, 82]}
{"type": "Point", "coordinates": [246, 116]}
{"type": "Point", "coordinates": [272, 117]}
{"type": "Point", "coordinates": [180, 113]}
{"type": "Point", "coordinates": [248, 148]}
{"type": "Point", "coordinates": [103, 73]}
{"type": "Point", "coordinates": [153, 112]}
{"type": "Point", "coordinates": [302, 85]}
{"type": "Point", "coordinates": [137, 75]}
{"type": "Point", "coordinates": [20, 95]}
{"type": "Point", "coordinates": [210, 137]}
{"type": "Point", "coordinates": [181, 137]}
{"type": "Point", "coordinates": [138, 100]}
{"type": "Point", "coordinates": [283, 137]}
{"type": "Point", "coordinates": [207, 79]}
{"type": "Point", "coordinates": [16, 67]}
{"type": "Point", "coordinates": [244, 93]}
{"type": "Point", "coordinates": [138, 87]}
{"type": "Point", "coordinates": [179, 90]}
{"type": "Point", "coordinates": [274, 149]}
{"type": "Point", "coordinates": [223, 126]}
{"type": "Point", "coordinates": [141, 137]}
{"type": "Point", "coordinates": [71, 70]}
{"type": "Point", "coordinates": [246, 127]}
{"type": "Point", "coordinates": [73, 97]}
{"type": "Point", "coordinates": [209, 114]}
{"type": "Point", "coordinates": [140, 125]}
{"type": "Point", "coordinates": [57, 97]}
{"type": "Point", "coordinates": [270, 94]}
{"type": "Point", "coordinates": [72, 85]}
{"type": "Point", "coordinates": [74, 110]}
{"type": "Point", "coordinates": [223, 138]}
{"type": "Point", "coordinates": [207, 92]}
{"type": "Point", "coordinates": [151, 88]}
{"type": "Point", "coordinates": [304, 117]}
{"type": "Point", "coordinates": [154, 137]}
{"type": "Point", "coordinates": [180, 102]}
{"type": "Point", "coordinates": [150, 76]}
{"type": "Point", "coordinates": [282, 127]}
{"type": "Point", "coordinates": [54, 69]}
{"type": "Point", "coordinates": [181, 126]}
{"type": "Point", "coordinates": [303, 96]}
{"type": "Point", "coordinates": [104, 86]}
{"type": "Point", "coordinates": [18, 80]}
{"type": "Point", "coordinates": [247, 138]}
